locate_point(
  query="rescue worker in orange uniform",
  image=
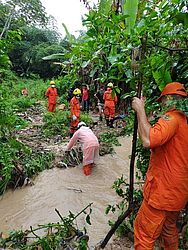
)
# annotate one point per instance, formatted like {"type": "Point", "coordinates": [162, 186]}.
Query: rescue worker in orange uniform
{"type": "Point", "coordinates": [51, 93]}
{"type": "Point", "coordinates": [166, 185]}
{"type": "Point", "coordinates": [110, 101]}
{"type": "Point", "coordinates": [75, 110]}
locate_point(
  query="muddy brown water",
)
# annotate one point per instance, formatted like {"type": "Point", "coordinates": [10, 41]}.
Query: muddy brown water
{"type": "Point", "coordinates": [68, 190]}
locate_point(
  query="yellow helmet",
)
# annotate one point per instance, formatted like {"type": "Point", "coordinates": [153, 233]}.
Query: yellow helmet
{"type": "Point", "coordinates": [77, 92]}
{"type": "Point", "coordinates": [110, 85]}
{"type": "Point", "coordinates": [52, 82]}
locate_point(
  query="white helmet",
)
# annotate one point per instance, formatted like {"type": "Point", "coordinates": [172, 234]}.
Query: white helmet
{"type": "Point", "coordinates": [80, 124]}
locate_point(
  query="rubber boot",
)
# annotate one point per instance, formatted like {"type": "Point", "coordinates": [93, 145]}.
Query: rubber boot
{"type": "Point", "coordinates": [87, 169]}
{"type": "Point", "coordinates": [107, 123]}
{"type": "Point", "coordinates": [111, 123]}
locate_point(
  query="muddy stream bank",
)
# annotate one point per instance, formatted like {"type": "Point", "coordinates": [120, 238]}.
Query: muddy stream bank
{"type": "Point", "coordinates": [68, 190]}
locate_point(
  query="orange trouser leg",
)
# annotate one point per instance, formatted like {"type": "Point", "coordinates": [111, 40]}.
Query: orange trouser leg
{"type": "Point", "coordinates": [112, 113]}
{"type": "Point", "coordinates": [51, 107]}
{"type": "Point", "coordinates": [169, 234]}
{"type": "Point", "coordinates": [87, 169]}
{"type": "Point", "coordinates": [106, 112]}
{"type": "Point", "coordinates": [147, 227]}
{"type": "Point", "coordinates": [152, 223]}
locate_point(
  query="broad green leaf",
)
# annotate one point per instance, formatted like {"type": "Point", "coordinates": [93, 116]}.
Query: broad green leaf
{"type": "Point", "coordinates": [88, 220]}
{"type": "Point", "coordinates": [161, 71]}
{"type": "Point", "coordinates": [117, 89]}
{"type": "Point", "coordinates": [162, 78]}
{"type": "Point", "coordinates": [54, 57]}
{"type": "Point", "coordinates": [105, 6]}
{"type": "Point", "coordinates": [130, 8]}
{"type": "Point", "coordinates": [108, 209]}
{"type": "Point", "coordinates": [182, 18]}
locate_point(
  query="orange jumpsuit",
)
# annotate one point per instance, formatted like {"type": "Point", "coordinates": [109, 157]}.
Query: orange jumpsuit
{"type": "Point", "coordinates": [109, 104]}
{"type": "Point", "coordinates": [166, 186]}
{"type": "Point", "coordinates": [51, 93]}
{"type": "Point", "coordinates": [74, 110]}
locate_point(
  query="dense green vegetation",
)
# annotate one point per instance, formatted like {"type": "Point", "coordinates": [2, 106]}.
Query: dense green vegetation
{"type": "Point", "coordinates": [127, 42]}
{"type": "Point", "coordinates": [61, 235]}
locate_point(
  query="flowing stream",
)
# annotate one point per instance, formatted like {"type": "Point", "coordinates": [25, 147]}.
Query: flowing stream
{"type": "Point", "coordinates": [68, 190]}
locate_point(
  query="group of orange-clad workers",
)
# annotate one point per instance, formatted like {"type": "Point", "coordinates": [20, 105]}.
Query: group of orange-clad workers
{"type": "Point", "coordinates": [83, 133]}
{"type": "Point", "coordinates": [109, 101]}
{"type": "Point", "coordinates": [166, 185]}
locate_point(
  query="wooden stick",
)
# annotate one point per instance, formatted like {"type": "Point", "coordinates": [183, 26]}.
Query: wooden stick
{"type": "Point", "coordinates": [131, 180]}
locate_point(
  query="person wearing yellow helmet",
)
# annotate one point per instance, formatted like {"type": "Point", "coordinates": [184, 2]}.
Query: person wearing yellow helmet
{"type": "Point", "coordinates": [77, 92]}
{"type": "Point", "coordinates": [51, 93]}
{"type": "Point", "coordinates": [110, 85]}
{"type": "Point", "coordinates": [75, 110]}
{"type": "Point", "coordinates": [109, 105]}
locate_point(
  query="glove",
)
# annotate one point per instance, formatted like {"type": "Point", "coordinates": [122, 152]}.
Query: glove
{"type": "Point", "coordinates": [74, 118]}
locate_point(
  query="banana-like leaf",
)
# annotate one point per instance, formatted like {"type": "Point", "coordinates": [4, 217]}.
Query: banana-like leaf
{"type": "Point", "coordinates": [130, 8]}
{"type": "Point", "coordinates": [105, 6]}
{"type": "Point", "coordinates": [70, 37]}
{"type": "Point", "coordinates": [54, 57]}
{"type": "Point", "coordinates": [161, 71]}
{"type": "Point", "coordinates": [162, 77]}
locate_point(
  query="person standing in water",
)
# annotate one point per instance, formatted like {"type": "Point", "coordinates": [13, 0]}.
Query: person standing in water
{"type": "Point", "coordinates": [90, 146]}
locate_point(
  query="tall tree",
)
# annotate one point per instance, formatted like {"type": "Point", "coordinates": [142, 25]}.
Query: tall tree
{"type": "Point", "coordinates": [26, 56]}
{"type": "Point", "coordinates": [16, 13]}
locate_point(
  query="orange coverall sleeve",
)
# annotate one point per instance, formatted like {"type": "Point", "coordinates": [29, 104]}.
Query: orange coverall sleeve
{"type": "Point", "coordinates": [163, 131]}
{"type": "Point", "coordinates": [74, 108]}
